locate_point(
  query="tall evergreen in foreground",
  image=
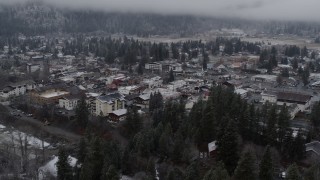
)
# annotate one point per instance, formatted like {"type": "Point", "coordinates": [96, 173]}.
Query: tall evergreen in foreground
{"type": "Point", "coordinates": [246, 168]}
{"type": "Point", "coordinates": [64, 169]}
{"type": "Point", "coordinates": [293, 173]}
{"type": "Point", "coordinates": [266, 166]}
{"type": "Point", "coordinates": [228, 147]}
{"type": "Point", "coordinates": [82, 113]}
{"type": "Point", "coordinates": [219, 173]}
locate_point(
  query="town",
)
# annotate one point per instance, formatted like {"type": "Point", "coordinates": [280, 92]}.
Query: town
{"type": "Point", "coordinates": [89, 93]}
{"type": "Point", "coordinates": [48, 80]}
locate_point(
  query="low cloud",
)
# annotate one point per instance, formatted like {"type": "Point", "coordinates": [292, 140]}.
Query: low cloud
{"type": "Point", "coordinates": [250, 9]}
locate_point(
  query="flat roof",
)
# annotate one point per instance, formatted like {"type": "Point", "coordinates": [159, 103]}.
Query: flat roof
{"type": "Point", "coordinates": [53, 94]}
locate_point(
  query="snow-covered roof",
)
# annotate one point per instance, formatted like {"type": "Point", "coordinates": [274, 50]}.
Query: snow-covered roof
{"type": "Point", "coordinates": [120, 112]}
{"type": "Point", "coordinates": [212, 146]}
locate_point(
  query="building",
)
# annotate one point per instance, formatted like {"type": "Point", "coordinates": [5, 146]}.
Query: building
{"type": "Point", "coordinates": [264, 78]}
{"type": "Point", "coordinates": [69, 102]}
{"type": "Point", "coordinates": [91, 101]}
{"type": "Point", "coordinates": [154, 82]}
{"type": "Point", "coordinates": [242, 92]}
{"type": "Point", "coordinates": [48, 96]}
{"type": "Point", "coordinates": [154, 66]}
{"type": "Point", "coordinates": [17, 89]}
{"type": "Point", "coordinates": [31, 68]}
{"type": "Point", "coordinates": [303, 101]}
{"type": "Point", "coordinates": [118, 115]}
{"type": "Point", "coordinates": [108, 103]}
{"type": "Point", "coordinates": [142, 100]}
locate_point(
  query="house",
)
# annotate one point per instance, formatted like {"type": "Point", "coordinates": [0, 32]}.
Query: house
{"type": "Point", "coordinates": [108, 103]}
{"type": "Point", "coordinates": [264, 78]}
{"type": "Point", "coordinates": [142, 101]}
{"type": "Point", "coordinates": [154, 66]}
{"type": "Point", "coordinates": [31, 68]}
{"type": "Point", "coordinates": [69, 102]}
{"type": "Point", "coordinates": [242, 92]}
{"type": "Point", "coordinates": [118, 115]}
{"type": "Point", "coordinates": [212, 149]}
{"type": "Point", "coordinates": [153, 82]}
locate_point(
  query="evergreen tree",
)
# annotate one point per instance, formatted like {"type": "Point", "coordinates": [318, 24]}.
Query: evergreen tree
{"type": "Point", "coordinates": [313, 173]}
{"type": "Point", "coordinates": [111, 174]}
{"type": "Point", "coordinates": [266, 166]}
{"type": "Point", "coordinates": [219, 173]}
{"type": "Point", "coordinates": [246, 168]}
{"type": "Point", "coordinates": [293, 173]}
{"type": "Point", "coordinates": [283, 123]}
{"type": "Point", "coordinates": [315, 114]}
{"type": "Point", "coordinates": [228, 147]}
{"type": "Point", "coordinates": [171, 76]}
{"type": "Point", "coordinates": [82, 113]}
{"type": "Point", "coordinates": [133, 123]}
{"type": "Point", "coordinates": [192, 172]}
{"type": "Point", "coordinates": [175, 174]}
{"type": "Point", "coordinates": [271, 131]}
{"type": "Point", "coordinates": [93, 164]}
{"type": "Point", "coordinates": [64, 169]}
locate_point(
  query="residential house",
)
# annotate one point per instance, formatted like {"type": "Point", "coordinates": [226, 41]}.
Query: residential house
{"type": "Point", "coordinates": [142, 100]}
{"type": "Point", "coordinates": [118, 115]}
{"type": "Point", "coordinates": [154, 66]}
{"type": "Point", "coordinates": [154, 82]}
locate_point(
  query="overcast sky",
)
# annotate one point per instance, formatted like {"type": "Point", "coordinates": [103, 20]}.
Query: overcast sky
{"type": "Point", "coordinates": [252, 9]}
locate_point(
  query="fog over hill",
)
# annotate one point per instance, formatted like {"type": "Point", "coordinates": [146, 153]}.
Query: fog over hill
{"type": "Point", "coordinates": [143, 18]}
{"type": "Point", "coordinates": [252, 9]}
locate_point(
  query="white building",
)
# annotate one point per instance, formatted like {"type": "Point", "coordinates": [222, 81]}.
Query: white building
{"type": "Point", "coordinates": [154, 66]}
{"type": "Point", "coordinates": [109, 103]}
{"type": "Point", "coordinates": [68, 103]}
{"type": "Point", "coordinates": [17, 89]}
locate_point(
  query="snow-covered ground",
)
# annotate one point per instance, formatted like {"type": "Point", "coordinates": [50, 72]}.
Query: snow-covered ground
{"type": "Point", "coordinates": [10, 135]}
{"type": "Point", "coordinates": [51, 168]}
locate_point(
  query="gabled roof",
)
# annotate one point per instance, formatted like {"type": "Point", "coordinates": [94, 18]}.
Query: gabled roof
{"type": "Point", "coordinates": [110, 98]}
{"type": "Point", "coordinates": [295, 97]}
{"type": "Point", "coordinates": [120, 112]}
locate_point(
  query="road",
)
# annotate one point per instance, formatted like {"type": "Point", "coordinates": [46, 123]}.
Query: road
{"type": "Point", "coordinates": [58, 132]}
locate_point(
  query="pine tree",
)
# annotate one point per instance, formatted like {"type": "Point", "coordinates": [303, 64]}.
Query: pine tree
{"type": "Point", "coordinates": [313, 173]}
{"type": "Point", "coordinates": [283, 123]}
{"type": "Point", "coordinates": [93, 164]}
{"type": "Point", "coordinates": [192, 172]}
{"type": "Point", "coordinates": [171, 76]}
{"type": "Point", "coordinates": [64, 169]}
{"type": "Point", "coordinates": [133, 123]}
{"type": "Point", "coordinates": [82, 113]}
{"type": "Point", "coordinates": [219, 173]}
{"type": "Point", "coordinates": [111, 174]}
{"type": "Point", "coordinates": [266, 166]}
{"type": "Point", "coordinates": [228, 147]}
{"type": "Point", "coordinates": [293, 173]}
{"type": "Point", "coordinates": [315, 114]}
{"type": "Point", "coordinates": [271, 131]}
{"type": "Point", "coordinates": [246, 168]}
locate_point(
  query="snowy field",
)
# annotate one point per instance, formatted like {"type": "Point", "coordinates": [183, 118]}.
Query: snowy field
{"type": "Point", "coordinates": [12, 136]}
{"type": "Point", "coordinates": [51, 168]}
